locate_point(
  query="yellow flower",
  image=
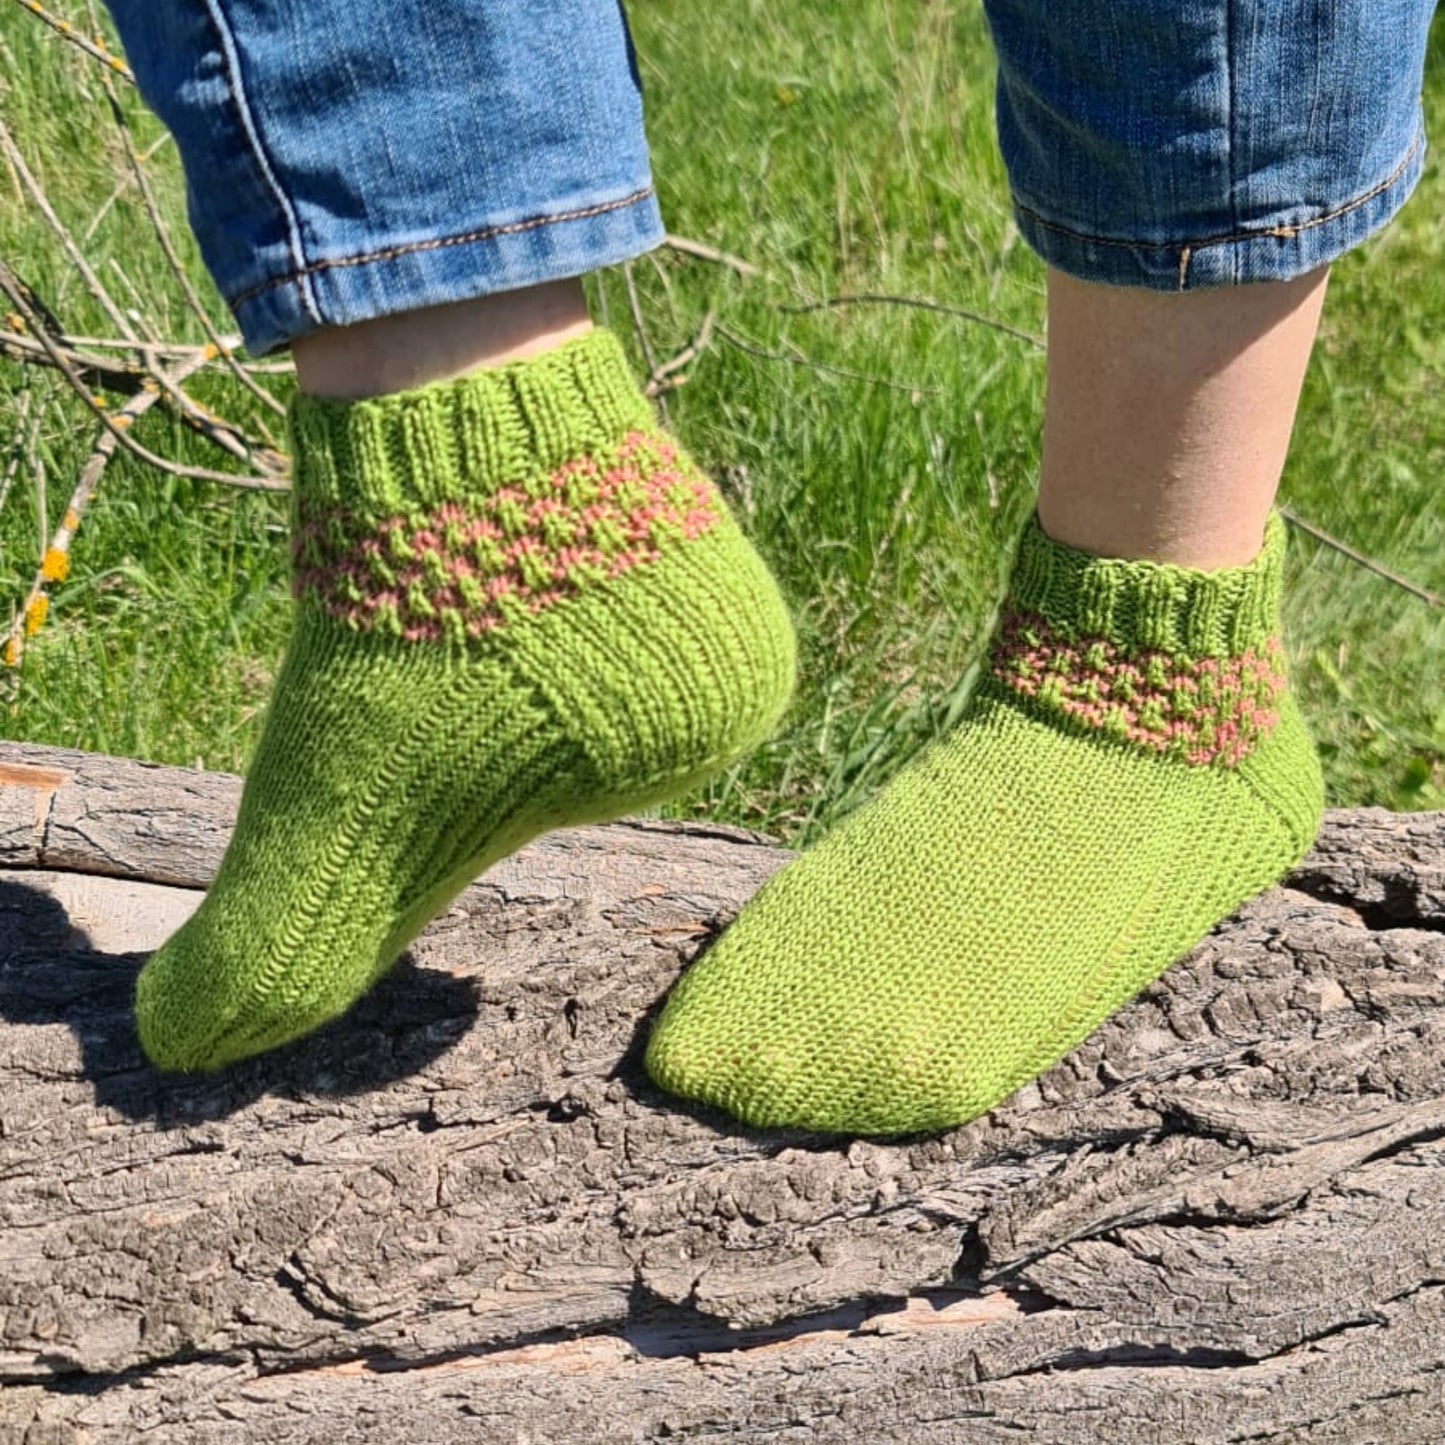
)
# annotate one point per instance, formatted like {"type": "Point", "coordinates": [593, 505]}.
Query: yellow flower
{"type": "Point", "coordinates": [55, 566]}
{"type": "Point", "coordinates": [35, 615]}
{"type": "Point", "coordinates": [12, 652]}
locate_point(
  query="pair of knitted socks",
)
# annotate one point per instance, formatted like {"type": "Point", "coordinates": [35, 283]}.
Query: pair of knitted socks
{"type": "Point", "coordinates": [520, 606]}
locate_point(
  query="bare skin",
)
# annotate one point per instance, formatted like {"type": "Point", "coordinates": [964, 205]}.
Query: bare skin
{"type": "Point", "coordinates": [1169, 415]}
{"type": "Point", "coordinates": [437, 343]}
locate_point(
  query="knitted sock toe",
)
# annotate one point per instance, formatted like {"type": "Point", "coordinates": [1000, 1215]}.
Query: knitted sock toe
{"type": "Point", "coordinates": [1130, 770]}
{"type": "Point", "coordinates": [519, 606]}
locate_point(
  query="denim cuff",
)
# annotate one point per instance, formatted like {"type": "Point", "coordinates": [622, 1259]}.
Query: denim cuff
{"type": "Point", "coordinates": [349, 159]}
{"type": "Point", "coordinates": [1262, 253]}
{"type": "Point", "coordinates": [1174, 146]}
{"type": "Point", "coordinates": [452, 267]}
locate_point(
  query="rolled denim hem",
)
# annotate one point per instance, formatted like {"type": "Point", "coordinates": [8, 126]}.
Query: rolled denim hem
{"type": "Point", "coordinates": [350, 159]}
{"type": "Point", "coordinates": [1268, 251]}
{"type": "Point", "coordinates": [431, 271]}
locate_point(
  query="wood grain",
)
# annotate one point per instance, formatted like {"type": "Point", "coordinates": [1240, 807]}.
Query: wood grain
{"type": "Point", "coordinates": [462, 1213]}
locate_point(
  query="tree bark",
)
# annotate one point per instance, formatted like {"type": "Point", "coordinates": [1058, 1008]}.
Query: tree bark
{"type": "Point", "coordinates": [462, 1212]}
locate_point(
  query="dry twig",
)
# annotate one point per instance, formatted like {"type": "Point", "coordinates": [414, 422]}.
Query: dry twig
{"type": "Point", "coordinates": [120, 374]}
{"type": "Point", "coordinates": [112, 373]}
{"type": "Point", "coordinates": [1368, 563]}
{"type": "Point", "coordinates": [793, 358]}
{"type": "Point", "coordinates": [919, 303]}
{"type": "Point", "coordinates": [669, 375]}
{"type": "Point", "coordinates": [639, 324]}
{"type": "Point", "coordinates": [703, 252]}
{"type": "Point", "coordinates": [117, 424]}
{"type": "Point", "coordinates": [96, 48]}
{"type": "Point", "coordinates": [55, 550]}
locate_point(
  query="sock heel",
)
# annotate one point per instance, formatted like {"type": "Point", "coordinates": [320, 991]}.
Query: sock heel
{"type": "Point", "coordinates": [670, 678]}
{"type": "Point", "coordinates": [1285, 775]}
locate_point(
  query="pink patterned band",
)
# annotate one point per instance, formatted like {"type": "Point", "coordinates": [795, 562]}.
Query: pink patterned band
{"type": "Point", "coordinates": [460, 570]}
{"type": "Point", "coordinates": [1210, 710]}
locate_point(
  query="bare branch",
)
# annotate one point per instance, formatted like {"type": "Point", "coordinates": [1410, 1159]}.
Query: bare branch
{"type": "Point", "coordinates": [216, 429]}
{"type": "Point", "coordinates": [1368, 563]}
{"type": "Point", "coordinates": [127, 377]}
{"type": "Point", "coordinates": [665, 281]}
{"type": "Point", "coordinates": [172, 350]}
{"type": "Point", "coordinates": [751, 348]}
{"type": "Point", "coordinates": [117, 424]}
{"type": "Point", "coordinates": [703, 252]}
{"type": "Point", "coordinates": [107, 371]}
{"type": "Point", "coordinates": [666, 375]}
{"type": "Point", "coordinates": [920, 303]}
{"type": "Point", "coordinates": [639, 325]}
{"type": "Point", "coordinates": [96, 48]}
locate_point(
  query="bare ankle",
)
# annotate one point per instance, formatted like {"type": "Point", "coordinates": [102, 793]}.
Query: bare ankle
{"type": "Point", "coordinates": [1169, 415]}
{"type": "Point", "coordinates": [412, 348]}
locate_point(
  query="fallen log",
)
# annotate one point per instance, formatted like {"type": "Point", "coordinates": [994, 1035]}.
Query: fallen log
{"type": "Point", "coordinates": [462, 1212]}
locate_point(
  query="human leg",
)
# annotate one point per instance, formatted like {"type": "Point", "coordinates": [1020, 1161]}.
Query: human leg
{"type": "Point", "coordinates": [1168, 416]}
{"type": "Point", "coordinates": [519, 604]}
{"type": "Point", "coordinates": [1132, 765]}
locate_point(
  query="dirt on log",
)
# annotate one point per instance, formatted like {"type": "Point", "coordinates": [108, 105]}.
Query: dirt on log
{"type": "Point", "coordinates": [463, 1214]}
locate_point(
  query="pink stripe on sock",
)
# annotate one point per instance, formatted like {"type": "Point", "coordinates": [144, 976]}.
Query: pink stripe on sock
{"type": "Point", "coordinates": [1088, 679]}
{"type": "Point", "coordinates": [591, 520]}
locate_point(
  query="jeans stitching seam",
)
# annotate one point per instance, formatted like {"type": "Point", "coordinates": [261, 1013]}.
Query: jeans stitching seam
{"type": "Point", "coordinates": [486, 233]}
{"type": "Point", "coordinates": [263, 163]}
{"type": "Point", "coordinates": [1232, 50]}
{"type": "Point", "coordinates": [1279, 232]}
{"type": "Point", "coordinates": [1232, 117]}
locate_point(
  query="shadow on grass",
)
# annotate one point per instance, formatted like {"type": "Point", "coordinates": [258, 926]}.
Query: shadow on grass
{"type": "Point", "coordinates": [50, 974]}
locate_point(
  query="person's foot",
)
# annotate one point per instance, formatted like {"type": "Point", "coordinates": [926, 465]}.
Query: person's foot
{"type": "Point", "coordinates": [520, 606]}
{"type": "Point", "coordinates": [1130, 770]}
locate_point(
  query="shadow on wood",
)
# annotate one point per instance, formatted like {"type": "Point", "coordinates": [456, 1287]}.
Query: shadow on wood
{"type": "Point", "coordinates": [462, 1213]}
{"type": "Point", "coordinates": [54, 974]}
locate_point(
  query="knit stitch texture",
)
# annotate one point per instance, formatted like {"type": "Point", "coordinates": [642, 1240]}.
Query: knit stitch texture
{"type": "Point", "coordinates": [1130, 769]}
{"type": "Point", "coordinates": [520, 606]}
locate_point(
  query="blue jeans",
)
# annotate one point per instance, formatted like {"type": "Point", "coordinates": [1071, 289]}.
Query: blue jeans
{"type": "Point", "coordinates": [347, 159]}
{"type": "Point", "coordinates": [1174, 145]}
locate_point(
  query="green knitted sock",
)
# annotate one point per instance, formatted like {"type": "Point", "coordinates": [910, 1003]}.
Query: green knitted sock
{"type": "Point", "coordinates": [520, 606]}
{"type": "Point", "coordinates": [1130, 770]}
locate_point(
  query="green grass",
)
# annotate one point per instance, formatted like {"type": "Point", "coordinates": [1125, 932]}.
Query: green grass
{"type": "Point", "coordinates": [840, 148]}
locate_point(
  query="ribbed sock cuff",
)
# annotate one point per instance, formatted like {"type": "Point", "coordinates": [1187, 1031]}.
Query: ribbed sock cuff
{"type": "Point", "coordinates": [461, 440]}
{"type": "Point", "coordinates": [1150, 606]}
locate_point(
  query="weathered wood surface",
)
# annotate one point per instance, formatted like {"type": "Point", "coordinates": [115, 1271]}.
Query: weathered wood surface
{"type": "Point", "coordinates": [462, 1213]}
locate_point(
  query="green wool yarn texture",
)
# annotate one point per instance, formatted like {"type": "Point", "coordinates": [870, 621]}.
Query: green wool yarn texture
{"type": "Point", "coordinates": [520, 606]}
{"type": "Point", "coordinates": [1130, 768]}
